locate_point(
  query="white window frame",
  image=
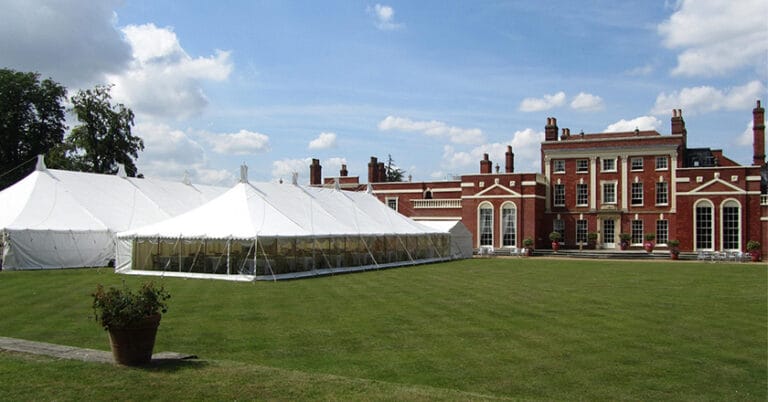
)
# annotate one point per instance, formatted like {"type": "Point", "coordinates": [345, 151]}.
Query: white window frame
{"type": "Point", "coordinates": [555, 201]}
{"type": "Point", "coordinates": [724, 205]}
{"type": "Point", "coordinates": [579, 167]}
{"type": "Point", "coordinates": [558, 166]}
{"type": "Point", "coordinates": [602, 164]}
{"type": "Point", "coordinates": [633, 197]}
{"type": "Point", "coordinates": [584, 239]}
{"type": "Point", "coordinates": [696, 225]}
{"type": "Point", "coordinates": [637, 231]}
{"type": "Point", "coordinates": [666, 162]}
{"type": "Point", "coordinates": [487, 206]}
{"type": "Point", "coordinates": [666, 193]}
{"type": "Point", "coordinates": [508, 206]}
{"type": "Point", "coordinates": [586, 195]}
{"type": "Point", "coordinates": [390, 199]}
{"type": "Point", "coordinates": [632, 164]}
{"type": "Point", "coordinates": [659, 238]}
{"type": "Point", "coordinates": [602, 192]}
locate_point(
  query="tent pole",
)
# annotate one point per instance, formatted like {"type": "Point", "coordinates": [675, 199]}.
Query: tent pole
{"type": "Point", "coordinates": [228, 249]}
{"type": "Point", "coordinates": [178, 242]}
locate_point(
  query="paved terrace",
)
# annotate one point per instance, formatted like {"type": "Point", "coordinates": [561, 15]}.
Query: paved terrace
{"type": "Point", "coordinates": [73, 353]}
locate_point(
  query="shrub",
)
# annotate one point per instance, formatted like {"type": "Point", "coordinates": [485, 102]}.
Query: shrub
{"type": "Point", "coordinates": [122, 307]}
{"type": "Point", "coordinates": [753, 245]}
{"type": "Point", "coordinates": [555, 236]}
{"type": "Point", "coordinates": [528, 242]}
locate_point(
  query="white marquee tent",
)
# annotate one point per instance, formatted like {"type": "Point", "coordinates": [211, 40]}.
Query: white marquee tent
{"type": "Point", "coordinates": [267, 231]}
{"type": "Point", "coordinates": [461, 237]}
{"type": "Point", "coordinates": [62, 219]}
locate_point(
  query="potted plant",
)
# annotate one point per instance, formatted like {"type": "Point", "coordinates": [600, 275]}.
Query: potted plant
{"type": "Point", "coordinates": [528, 243]}
{"type": "Point", "coordinates": [625, 238]}
{"type": "Point", "coordinates": [649, 244]}
{"type": "Point", "coordinates": [592, 240]}
{"type": "Point", "coordinates": [131, 318]}
{"type": "Point", "coordinates": [674, 251]}
{"type": "Point", "coordinates": [753, 247]}
{"type": "Point", "coordinates": [555, 237]}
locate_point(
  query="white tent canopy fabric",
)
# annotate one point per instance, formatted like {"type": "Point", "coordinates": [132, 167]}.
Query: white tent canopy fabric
{"type": "Point", "coordinates": [461, 237]}
{"type": "Point", "coordinates": [62, 219]}
{"type": "Point", "coordinates": [276, 231]}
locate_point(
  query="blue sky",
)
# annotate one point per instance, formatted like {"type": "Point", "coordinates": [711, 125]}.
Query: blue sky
{"type": "Point", "coordinates": [433, 83]}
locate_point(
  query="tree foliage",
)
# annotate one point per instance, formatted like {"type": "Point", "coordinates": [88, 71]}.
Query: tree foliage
{"type": "Point", "coordinates": [393, 172]}
{"type": "Point", "coordinates": [31, 121]}
{"type": "Point", "coordinates": [103, 138]}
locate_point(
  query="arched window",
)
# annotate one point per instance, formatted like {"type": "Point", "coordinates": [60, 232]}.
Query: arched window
{"type": "Point", "coordinates": [508, 225]}
{"type": "Point", "coordinates": [703, 225]}
{"type": "Point", "coordinates": [730, 218]}
{"type": "Point", "coordinates": [485, 224]}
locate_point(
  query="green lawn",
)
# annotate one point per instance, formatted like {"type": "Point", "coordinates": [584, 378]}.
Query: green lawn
{"type": "Point", "coordinates": [531, 328]}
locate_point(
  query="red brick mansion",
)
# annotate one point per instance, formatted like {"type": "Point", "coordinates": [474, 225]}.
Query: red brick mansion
{"type": "Point", "coordinates": [631, 183]}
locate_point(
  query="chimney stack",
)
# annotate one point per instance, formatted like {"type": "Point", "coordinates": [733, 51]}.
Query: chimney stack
{"type": "Point", "coordinates": [486, 165]}
{"type": "Point", "coordinates": [315, 173]}
{"type": "Point", "coordinates": [509, 156]}
{"type": "Point", "coordinates": [550, 130]}
{"type": "Point", "coordinates": [343, 172]}
{"type": "Point", "coordinates": [758, 133]}
{"type": "Point", "coordinates": [373, 170]}
{"type": "Point", "coordinates": [678, 128]}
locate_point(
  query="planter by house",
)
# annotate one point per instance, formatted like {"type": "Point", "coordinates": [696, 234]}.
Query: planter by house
{"type": "Point", "coordinates": [555, 238]}
{"type": "Point", "coordinates": [528, 244]}
{"type": "Point", "coordinates": [649, 244]}
{"type": "Point", "coordinates": [674, 250]}
{"type": "Point", "coordinates": [624, 240]}
{"type": "Point", "coordinates": [131, 319]}
{"type": "Point", "coordinates": [753, 247]}
{"type": "Point", "coordinates": [592, 240]}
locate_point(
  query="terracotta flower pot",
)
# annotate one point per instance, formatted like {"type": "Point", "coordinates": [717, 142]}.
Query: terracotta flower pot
{"type": "Point", "coordinates": [133, 345]}
{"type": "Point", "coordinates": [755, 256]}
{"type": "Point", "coordinates": [555, 246]}
{"type": "Point", "coordinates": [648, 246]}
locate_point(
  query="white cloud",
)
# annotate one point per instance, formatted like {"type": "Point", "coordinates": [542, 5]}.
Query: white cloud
{"type": "Point", "coordinates": [242, 142]}
{"type": "Point", "coordinates": [323, 141]}
{"type": "Point", "coordinates": [540, 104]}
{"type": "Point", "coordinates": [169, 153]}
{"type": "Point", "coordinates": [587, 102]}
{"type": "Point", "coordinates": [332, 166]}
{"type": "Point", "coordinates": [716, 37]}
{"type": "Point", "coordinates": [707, 99]}
{"type": "Point", "coordinates": [74, 42]}
{"type": "Point", "coordinates": [640, 123]}
{"type": "Point", "coordinates": [747, 136]}
{"type": "Point", "coordinates": [384, 17]}
{"type": "Point", "coordinates": [284, 169]}
{"type": "Point", "coordinates": [433, 128]}
{"type": "Point", "coordinates": [525, 145]}
{"type": "Point", "coordinates": [162, 79]}
{"type": "Point", "coordinates": [642, 70]}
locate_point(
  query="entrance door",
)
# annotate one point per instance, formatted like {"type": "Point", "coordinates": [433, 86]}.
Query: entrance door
{"type": "Point", "coordinates": [609, 233]}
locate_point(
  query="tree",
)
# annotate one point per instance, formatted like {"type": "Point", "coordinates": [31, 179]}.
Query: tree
{"type": "Point", "coordinates": [393, 172]}
{"type": "Point", "coordinates": [31, 121]}
{"type": "Point", "coordinates": [103, 139]}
